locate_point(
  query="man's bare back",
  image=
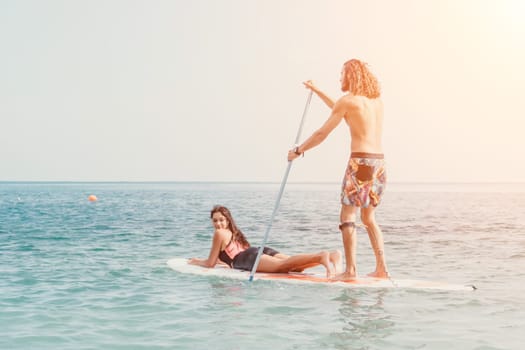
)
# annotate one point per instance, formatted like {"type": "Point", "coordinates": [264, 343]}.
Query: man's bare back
{"type": "Point", "coordinates": [364, 117]}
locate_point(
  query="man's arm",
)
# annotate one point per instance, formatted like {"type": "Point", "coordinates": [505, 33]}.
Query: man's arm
{"type": "Point", "coordinates": [327, 100]}
{"type": "Point", "coordinates": [338, 112]}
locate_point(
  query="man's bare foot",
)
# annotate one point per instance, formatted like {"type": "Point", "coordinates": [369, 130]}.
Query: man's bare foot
{"type": "Point", "coordinates": [345, 276]}
{"type": "Point", "coordinates": [325, 261]}
{"type": "Point", "coordinates": [379, 274]}
{"type": "Point", "coordinates": [336, 259]}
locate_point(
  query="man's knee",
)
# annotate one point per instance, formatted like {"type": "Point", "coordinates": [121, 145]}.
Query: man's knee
{"type": "Point", "coordinates": [368, 219]}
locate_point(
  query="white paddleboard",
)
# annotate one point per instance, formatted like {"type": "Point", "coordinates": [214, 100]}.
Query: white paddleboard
{"type": "Point", "coordinates": [181, 265]}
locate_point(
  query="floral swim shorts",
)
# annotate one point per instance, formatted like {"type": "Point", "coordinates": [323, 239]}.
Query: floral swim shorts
{"type": "Point", "coordinates": [364, 181]}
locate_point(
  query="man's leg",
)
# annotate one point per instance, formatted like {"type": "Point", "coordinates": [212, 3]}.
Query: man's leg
{"type": "Point", "coordinates": [376, 241]}
{"type": "Point", "coordinates": [348, 232]}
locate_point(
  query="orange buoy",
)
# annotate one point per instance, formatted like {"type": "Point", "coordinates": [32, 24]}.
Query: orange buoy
{"type": "Point", "coordinates": [92, 198]}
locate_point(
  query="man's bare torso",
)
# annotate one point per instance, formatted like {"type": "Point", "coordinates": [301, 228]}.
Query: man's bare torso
{"type": "Point", "coordinates": [364, 117]}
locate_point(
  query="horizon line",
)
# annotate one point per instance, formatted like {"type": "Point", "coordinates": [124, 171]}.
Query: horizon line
{"type": "Point", "coordinates": [249, 182]}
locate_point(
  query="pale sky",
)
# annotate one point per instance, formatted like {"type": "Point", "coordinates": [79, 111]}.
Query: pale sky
{"type": "Point", "coordinates": [210, 90]}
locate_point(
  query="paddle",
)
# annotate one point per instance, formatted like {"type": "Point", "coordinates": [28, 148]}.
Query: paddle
{"type": "Point", "coordinates": [283, 183]}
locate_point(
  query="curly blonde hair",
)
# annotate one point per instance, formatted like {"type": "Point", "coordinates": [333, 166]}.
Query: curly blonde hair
{"type": "Point", "coordinates": [361, 81]}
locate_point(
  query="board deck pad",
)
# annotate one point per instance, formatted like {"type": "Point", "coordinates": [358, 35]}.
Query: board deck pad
{"type": "Point", "coordinates": [181, 265]}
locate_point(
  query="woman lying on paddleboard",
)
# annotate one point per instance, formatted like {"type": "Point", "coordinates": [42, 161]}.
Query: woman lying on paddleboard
{"type": "Point", "coordinates": [232, 248]}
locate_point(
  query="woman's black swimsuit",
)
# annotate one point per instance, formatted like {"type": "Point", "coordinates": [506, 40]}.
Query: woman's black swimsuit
{"type": "Point", "coordinates": [245, 259]}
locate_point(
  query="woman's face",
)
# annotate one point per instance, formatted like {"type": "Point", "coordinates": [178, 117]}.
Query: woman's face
{"type": "Point", "coordinates": [219, 221]}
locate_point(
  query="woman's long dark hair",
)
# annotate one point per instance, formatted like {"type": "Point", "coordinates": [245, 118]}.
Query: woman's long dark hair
{"type": "Point", "coordinates": [237, 233]}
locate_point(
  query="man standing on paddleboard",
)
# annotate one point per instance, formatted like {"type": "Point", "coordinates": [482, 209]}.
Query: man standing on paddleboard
{"type": "Point", "coordinates": [365, 177]}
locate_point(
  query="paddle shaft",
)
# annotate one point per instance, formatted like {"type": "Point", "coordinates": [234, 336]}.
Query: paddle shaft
{"type": "Point", "coordinates": [281, 190]}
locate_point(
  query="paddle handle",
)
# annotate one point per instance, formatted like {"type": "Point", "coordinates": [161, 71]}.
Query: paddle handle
{"type": "Point", "coordinates": [281, 191]}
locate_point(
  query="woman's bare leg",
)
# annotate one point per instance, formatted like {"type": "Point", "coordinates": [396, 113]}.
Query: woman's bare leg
{"type": "Point", "coordinates": [269, 263]}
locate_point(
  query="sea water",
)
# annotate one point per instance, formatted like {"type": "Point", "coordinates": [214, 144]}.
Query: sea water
{"type": "Point", "coordinates": [78, 275]}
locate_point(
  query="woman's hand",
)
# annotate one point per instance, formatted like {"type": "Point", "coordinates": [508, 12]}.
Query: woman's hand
{"type": "Point", "coordinates": [200, 262]}
{"type": "Point", "coordinates": [194, 261]}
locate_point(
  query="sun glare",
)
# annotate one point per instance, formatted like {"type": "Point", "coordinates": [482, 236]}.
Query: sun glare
{"type": "Point", "coordinates": [512, 14]}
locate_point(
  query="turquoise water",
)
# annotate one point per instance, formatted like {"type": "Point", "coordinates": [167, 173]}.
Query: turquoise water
{"type": "Point", "coordinates": [81, 275]}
